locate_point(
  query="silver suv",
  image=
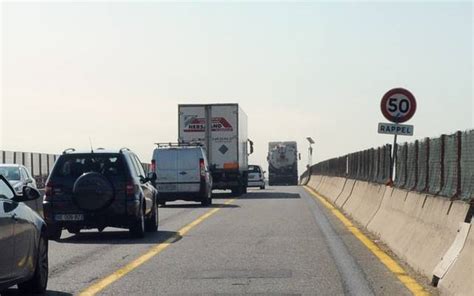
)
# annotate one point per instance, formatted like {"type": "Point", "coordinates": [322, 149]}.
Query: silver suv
{"type": "Point", "coordinates": [182, 173]}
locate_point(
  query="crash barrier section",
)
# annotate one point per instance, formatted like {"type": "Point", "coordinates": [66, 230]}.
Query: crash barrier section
{"type": "Point", "coordinates": [419, 228]}
{"type": "Point", "coordinates": [442, 166]}
{"type": "Point", "coordinates": [332, 187]}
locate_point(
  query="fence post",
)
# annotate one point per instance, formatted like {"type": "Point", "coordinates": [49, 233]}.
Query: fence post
{"type": "Point", "coordinates": [443, 143]}
{"type": "Point", "coordinates": [458, 166]}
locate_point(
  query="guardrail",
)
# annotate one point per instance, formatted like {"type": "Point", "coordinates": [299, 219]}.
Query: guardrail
{"type": "Point", "coordinates": [442, 166]}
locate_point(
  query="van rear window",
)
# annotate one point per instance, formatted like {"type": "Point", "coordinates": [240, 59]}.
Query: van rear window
{"type": "Point", "coordinates": [77, 164]}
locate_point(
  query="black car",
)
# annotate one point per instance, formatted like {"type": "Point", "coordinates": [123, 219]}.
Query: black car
{"type": "Point", "coordinates": [97, 189]}
{"type": "Point", "coordinates": [24, 247]}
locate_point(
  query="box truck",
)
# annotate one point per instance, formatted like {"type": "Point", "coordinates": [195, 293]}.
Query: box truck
{"type": "Point", "coordinates": [222, 130]}
{"type": "Point", "coordinates": [282, 163]}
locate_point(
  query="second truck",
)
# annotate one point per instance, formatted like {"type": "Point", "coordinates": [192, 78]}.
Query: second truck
{"type": "Point", "coordinates": [222, 130]}
{"type": "Point", "coordinates": [282, 163]}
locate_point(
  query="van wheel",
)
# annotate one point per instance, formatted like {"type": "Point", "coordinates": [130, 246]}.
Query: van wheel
{"type": "Point", "coordinates": [207, 201]}
{"type": "Point", "coordinates": [37, 284]}
{"type": "Point", "coordinates": [151, 224]}
{"type": "Point", "coordinates": [137, 228]}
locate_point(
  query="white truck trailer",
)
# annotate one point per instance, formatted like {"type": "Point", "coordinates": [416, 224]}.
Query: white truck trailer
{"type": "Point", "coordinates": [222, 130]}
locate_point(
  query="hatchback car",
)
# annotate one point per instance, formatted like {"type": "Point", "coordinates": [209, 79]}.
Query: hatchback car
{"type": "Point", "coordinates": [256, 177]}
{"type": "Point", "coordinates": [18, 176]}
{"type": "Point", "coordinates": [99, 189]}
{"type": "Point", "coordinates": [182, 173]}
{"type": "Point", "coordinates": [24, 259]}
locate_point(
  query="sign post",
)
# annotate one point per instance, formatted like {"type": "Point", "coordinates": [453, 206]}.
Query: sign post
{"type": "Point", "coordinates": [398, 105]}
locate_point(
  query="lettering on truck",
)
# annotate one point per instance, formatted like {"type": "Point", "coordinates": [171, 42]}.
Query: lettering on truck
{"type": "Point", "coordinates": [194, 124]}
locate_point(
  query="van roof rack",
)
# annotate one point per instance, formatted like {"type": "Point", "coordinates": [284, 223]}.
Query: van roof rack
{"type": "Point", "coordinates": [124, 149]}
{"type": "Point", "coordinates": [69, 150]}
{"type": "Point", "coordinates": [178, 144]}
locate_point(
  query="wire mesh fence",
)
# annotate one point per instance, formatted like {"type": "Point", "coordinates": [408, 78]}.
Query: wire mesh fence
{"type": "Point", "coordinates": [441, 166]}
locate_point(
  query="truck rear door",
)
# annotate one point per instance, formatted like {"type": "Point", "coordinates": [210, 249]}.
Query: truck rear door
{"type": "Point", "coordinates": [224, 137]}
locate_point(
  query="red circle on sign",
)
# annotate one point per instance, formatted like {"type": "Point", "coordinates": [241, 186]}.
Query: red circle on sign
{"type": "Point", "coordinates": [395, 94]}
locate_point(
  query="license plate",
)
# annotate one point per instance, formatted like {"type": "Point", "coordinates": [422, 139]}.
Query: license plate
{"type": "Point", "coordinates": [69, 217]}
{"type": "Point", "coordinates": [167, 187]}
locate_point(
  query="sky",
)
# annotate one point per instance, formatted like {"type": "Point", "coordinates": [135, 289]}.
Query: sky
{"type": "Point", "coordinates": [115, 72]}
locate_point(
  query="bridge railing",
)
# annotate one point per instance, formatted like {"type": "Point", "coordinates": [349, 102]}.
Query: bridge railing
{"type": "Point", "coordinates": [441, 166]}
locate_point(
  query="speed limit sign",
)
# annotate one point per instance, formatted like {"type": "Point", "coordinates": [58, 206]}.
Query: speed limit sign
{"type": "Point", "coordinates": [398, 105]}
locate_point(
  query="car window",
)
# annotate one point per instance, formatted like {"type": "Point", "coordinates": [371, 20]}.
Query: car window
{"type": "Point", "coordinates": [24, 174]}
{"type": "Point", "coordinates": [10, 173]}
{"type": "Point", "coordinates": [5, 191]}
{"type": "Point", "coordinates": [139, 165]}
{"type": "Point", "coordinates": [254, 169]}
{"type": "Point", "coordinates": [78, 164]}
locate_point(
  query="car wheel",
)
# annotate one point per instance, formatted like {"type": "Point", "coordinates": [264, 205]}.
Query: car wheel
{"type": "Point", "coordinates": [74, 230]}
{"type": "Point", "coordinates": [262, 187]}
{"type": "Point", "coordinates": [151, 224]}
{"type": "Point", "coordinates": [39, 281]}
{"type": "Point", "coordinates": [162, 203]}
{"type": "Point", "coordinates": [137, 229]}
{"type": "Point", "coordinates": [53, 232]}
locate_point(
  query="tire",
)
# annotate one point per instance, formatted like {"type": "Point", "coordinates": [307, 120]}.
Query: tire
{"type": "Point", "coordinates": [262, 187]}
{"type": "Point", "coordinates": [244, 189]}
{"type": "Point", "coordinates": [207, 200]}
{"type": "Point", "coordinates": [151, 224]}
{"type": "Point", "coordinates": [162, 203]}
{"type": "Point", "coordinates": [53, 232]}
{"type": "Point", "coordinates": [74, 230]}
{"type": "Point", "coordinates": [137, 228]}
{"type": "Point", "coordinates": [38, 283]}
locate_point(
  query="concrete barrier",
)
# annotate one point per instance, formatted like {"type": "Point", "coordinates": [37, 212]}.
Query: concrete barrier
{"type": "Point", "coordinates": [419, 228]}
{"type": "Point", "coordinates": [459, 279]}
{"type": "Point", "coordinates": [331, 187]}
{"type": "Point", "coordinates": [314, 181]}
{"type": "Point", "coordinates": [346, 192]}
{"type": "Point", "coordinates": [364, 201]}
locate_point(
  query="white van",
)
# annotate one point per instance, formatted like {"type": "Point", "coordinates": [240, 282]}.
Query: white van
{"type": "Point", "coordinates": [182, 173]}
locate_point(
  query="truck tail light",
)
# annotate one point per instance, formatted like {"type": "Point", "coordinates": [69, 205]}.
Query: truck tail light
{"type": "Point", "coordinates": [153, 165]}
{"type": "Point", "coordinates": [202, 168]}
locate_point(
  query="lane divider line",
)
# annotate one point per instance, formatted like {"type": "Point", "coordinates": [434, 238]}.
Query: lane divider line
{"type": "Point", "coordinates": [409, 282]}
{"type": "Point", "coordinates": [152, 252]}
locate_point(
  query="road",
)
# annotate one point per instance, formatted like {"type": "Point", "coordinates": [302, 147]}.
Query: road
{"type": "Point", "coordinates": [279, 241]}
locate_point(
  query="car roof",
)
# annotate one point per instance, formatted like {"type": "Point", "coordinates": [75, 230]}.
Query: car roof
{"type": "Point", "coordinates": [96, 151]}
{"type": "Point", "coordinates": [10, 165]}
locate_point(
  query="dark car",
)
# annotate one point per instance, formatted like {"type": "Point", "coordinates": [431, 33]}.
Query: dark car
{"type": "Point", "coordinates": [97, 189]}
{"type": "Point", "coordinates": [24, 247]}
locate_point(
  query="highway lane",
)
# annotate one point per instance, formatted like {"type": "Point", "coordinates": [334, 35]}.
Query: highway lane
{"type": "Point", "coordinates": [277, 241]}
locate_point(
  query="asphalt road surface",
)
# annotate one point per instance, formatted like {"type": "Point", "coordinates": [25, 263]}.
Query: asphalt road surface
{"type": "Point", "coordinates": [278, 241]}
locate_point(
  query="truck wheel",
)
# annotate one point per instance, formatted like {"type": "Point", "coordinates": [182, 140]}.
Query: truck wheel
{"type": "Point", "coordinates": [244, 189]}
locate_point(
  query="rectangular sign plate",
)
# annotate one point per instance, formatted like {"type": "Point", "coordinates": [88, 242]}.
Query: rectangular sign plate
{"type": "Point", "coordinates": [396, 129]}
{"type": "Point", "coordinates": [69, 217]}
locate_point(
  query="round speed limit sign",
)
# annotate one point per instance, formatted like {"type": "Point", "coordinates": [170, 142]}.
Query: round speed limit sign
{"type": "Point", "coordinates": [398, 105]}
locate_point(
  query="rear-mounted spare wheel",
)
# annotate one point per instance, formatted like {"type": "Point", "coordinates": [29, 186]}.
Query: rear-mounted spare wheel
{"type": "Point", "coordinates": [93, 192]}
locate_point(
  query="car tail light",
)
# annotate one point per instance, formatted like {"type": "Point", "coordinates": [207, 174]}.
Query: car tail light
{"type": "Point", "coordinates": [202, 167]}
{"type": "Point", "coordinates": [130, 189]}
{"type": "Point", "coordinates": [153, 166]}
{"type": "Point", "coordinates": [48, 191]}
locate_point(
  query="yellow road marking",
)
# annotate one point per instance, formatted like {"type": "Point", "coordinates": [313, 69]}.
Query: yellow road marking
{"type": "Point", "coordinates": [390, 263]}
{"type": "Point", "coordinates": [155, 250]}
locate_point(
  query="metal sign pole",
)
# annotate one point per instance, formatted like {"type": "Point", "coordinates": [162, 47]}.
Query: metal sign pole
{"type": "Point", "coordinates": [394, 157]}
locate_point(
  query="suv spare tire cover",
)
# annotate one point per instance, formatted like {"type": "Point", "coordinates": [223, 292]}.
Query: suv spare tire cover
{"type": "Point", "coordinates": [92, 192]}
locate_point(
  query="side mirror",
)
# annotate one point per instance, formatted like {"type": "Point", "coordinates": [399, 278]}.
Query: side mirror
{"type": "Point", "coordinates": [299, 156]}
{"type": "Point", "coordinates": [152, 176]}
{"type": "Point", "coordinates": [29, 193]}
{"type": "Point", "coordinates": [251, 146]}
{"type": "Point", "coordinates": [29, 181]}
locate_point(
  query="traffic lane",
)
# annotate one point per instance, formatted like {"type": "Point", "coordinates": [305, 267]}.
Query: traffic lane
{"type": "Point", "coordinates": [78, 260]}
{"type": "Point", "coordinates": [269, 244]}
